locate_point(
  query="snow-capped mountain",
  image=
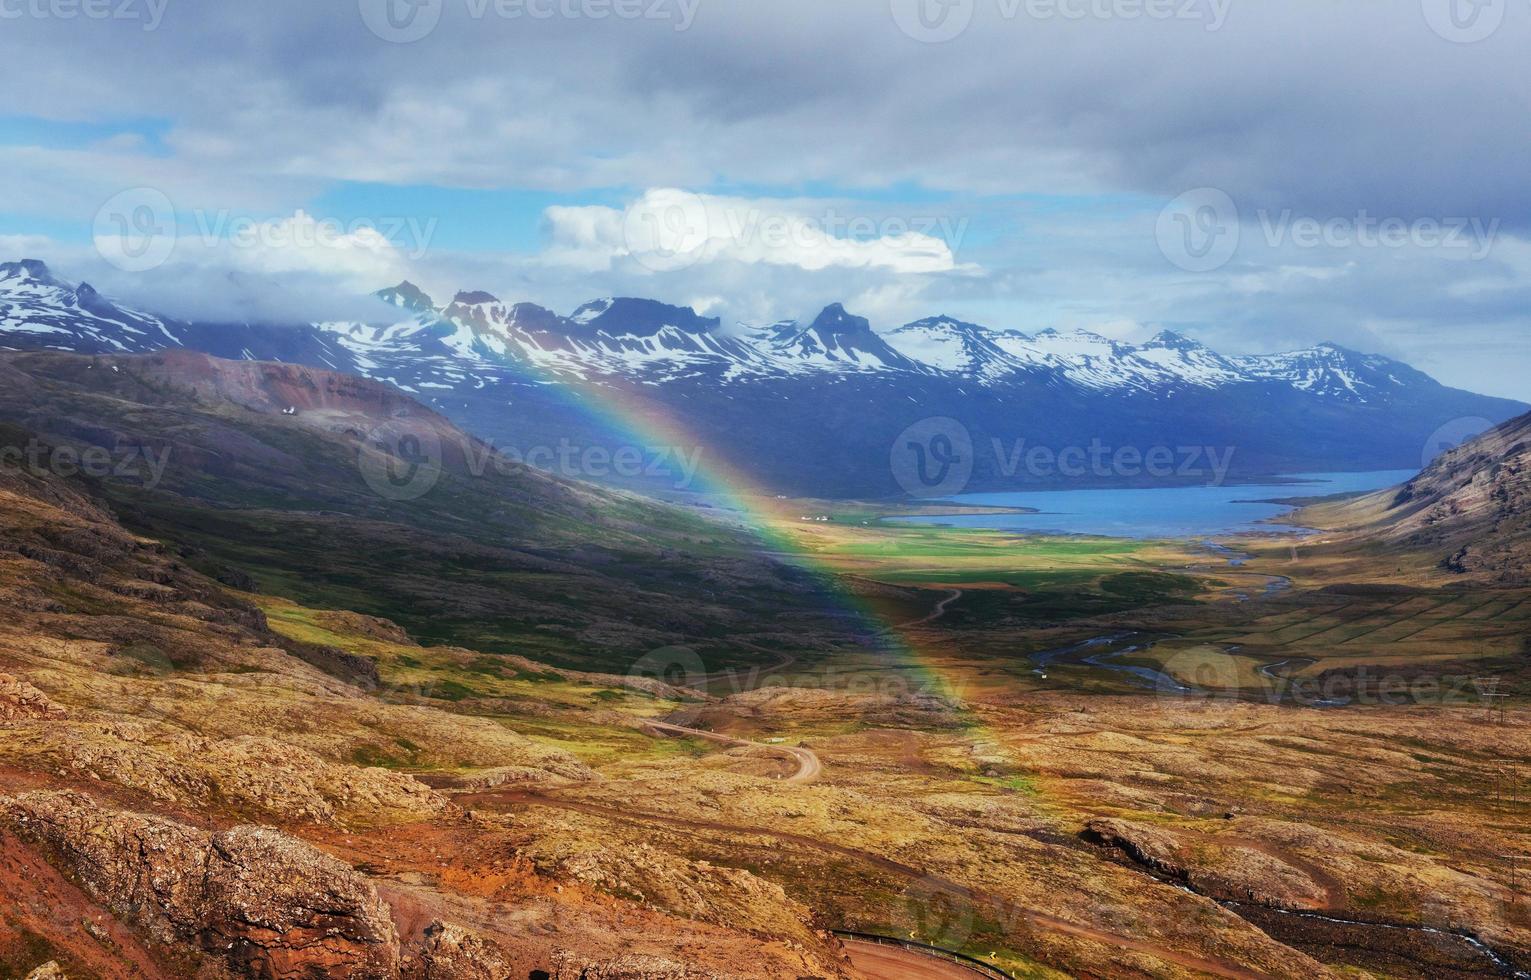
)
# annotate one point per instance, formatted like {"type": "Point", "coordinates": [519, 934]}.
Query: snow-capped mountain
{"type": "Point", "coordinates": [1331, 371]}
{"type": "Point", "coordinates": [834, 341]}
{"type": "Point", "coordinates": [806, 408]}
{"type": "Point", "coordinates": [655, 343]}
{"type": "Point", "coordinates": [945, 344]}
{"type": "Point", "coordinates": [41, 311]}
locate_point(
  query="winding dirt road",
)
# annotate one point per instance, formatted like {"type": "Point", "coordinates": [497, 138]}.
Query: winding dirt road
{"type": "Point", "coordinates": [809, 767]}
{"type": "Point", "coordinates": [940, 611]}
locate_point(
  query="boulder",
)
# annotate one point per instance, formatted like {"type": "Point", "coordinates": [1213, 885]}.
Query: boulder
{"type": "Point", "coordinates": [20, 701]}
{"type": "Point", "coordinates": [268, 904]}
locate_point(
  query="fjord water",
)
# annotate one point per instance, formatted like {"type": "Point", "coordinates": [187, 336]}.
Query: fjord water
{"type": "Point", "coordinates": [1160, 512]}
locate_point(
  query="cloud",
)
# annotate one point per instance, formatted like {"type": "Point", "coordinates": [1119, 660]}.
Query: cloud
{"type": "Point", "coordinates": [1290, 104]}
{"type": "Point", "coordinates": [1057, 137]}
{"type": "Point", "coordinates": [669, 230]}
{"type": "Point", "coordinates": [290, 270]}
{"type": "Point", "coordinates": [357, 256]}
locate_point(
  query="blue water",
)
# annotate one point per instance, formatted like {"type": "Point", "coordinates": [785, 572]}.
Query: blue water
{"type": "Point", "coordinates": [1159, 512]}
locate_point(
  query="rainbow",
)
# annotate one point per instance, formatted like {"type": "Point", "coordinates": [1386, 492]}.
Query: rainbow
{"type": "Point", "coordinates": [771, 521]}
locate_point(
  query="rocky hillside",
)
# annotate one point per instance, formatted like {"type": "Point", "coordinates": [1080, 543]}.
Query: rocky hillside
{"type": "Point", "coordinates": [186, 792]}
{"type": "Point", "coordinates": [346, 493]}
{"type": "Point", "coordinates": [1470, 508]}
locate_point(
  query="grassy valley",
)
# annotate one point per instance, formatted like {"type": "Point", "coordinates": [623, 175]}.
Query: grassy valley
{"type": "Point", "coordinates": [528, 725]}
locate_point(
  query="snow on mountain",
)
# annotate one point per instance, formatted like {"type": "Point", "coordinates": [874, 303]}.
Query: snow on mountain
{"type": "Point", "coordinates": [1330, 371]}
{"type": "Point", "coordinates": [838, 341]}
{"type": "Point", "coordinates": [37, 310]}
{"type": "Point", "coordinates": [1187, 359]}
{"type": "Point", "coordinates": [809, 409]}
{"type": "Point", "coordinates": [477, 338]}
{"type": "Point", "coordinates": [950, 345]}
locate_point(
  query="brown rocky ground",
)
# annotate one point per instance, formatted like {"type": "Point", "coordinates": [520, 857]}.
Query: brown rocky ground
{"type": "Point", "coordinates": [186, 783]}
{"type": "Point", "coordinates": [202, 783]}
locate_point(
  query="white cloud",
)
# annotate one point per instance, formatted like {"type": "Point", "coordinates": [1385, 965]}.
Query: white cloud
{"type": "Point", "coordinates": [357, 254]}
{"type": "Point", "coordinates": [670, 230]}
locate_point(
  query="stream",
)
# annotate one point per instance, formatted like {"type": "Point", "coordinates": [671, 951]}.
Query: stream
{"type": "Point", "coordinates": [1381, 939]}
{"type": "Point", "coordinates": [1102, 652]}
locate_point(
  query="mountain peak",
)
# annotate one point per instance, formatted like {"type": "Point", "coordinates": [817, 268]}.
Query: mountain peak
{"type": "Point", "coordinates": [950, 322]}
{"type": "Point", "coordinates": [1170, 340]}
{"type": "Point", "coordinates": [28, 269]}
{"type": "Point", "coordinates": [534, 318]}
{"type": "Point", "coordinates": [641, 317]}
{"type": "Point", "coordinates": [474, 298]}
{"type": "Point", "coordinates": [833, 321]}
{"type": "Point", "coordinates": [406, 295]}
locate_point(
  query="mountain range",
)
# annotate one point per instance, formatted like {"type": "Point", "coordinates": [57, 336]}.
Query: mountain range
{"type": "Point", "coordinates": [806, 408]}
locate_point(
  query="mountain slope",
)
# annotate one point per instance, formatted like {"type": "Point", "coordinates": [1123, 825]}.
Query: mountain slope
{"type": "Point", "coordinates": [1470, 509]}
{"type": "Point", "coordinates": [200, 789]}
{"type": "Point", "coordinates": [346, 493]}
{"type": "Point", "coordinates": [811, 410]}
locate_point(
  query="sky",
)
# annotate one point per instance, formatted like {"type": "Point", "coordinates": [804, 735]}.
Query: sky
{"type": "Point", "coordinates": [1258, 175]}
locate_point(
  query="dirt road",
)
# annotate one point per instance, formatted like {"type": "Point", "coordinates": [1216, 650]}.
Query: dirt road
{"type": "Point", "coordinates": [940, 611]}
{"type": "Point", "coordinates": [891, 963]}
{"type": "Point", "coordinates": [809, 767]}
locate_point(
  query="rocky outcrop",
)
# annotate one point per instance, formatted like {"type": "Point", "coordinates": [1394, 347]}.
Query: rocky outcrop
{"type": "Point", "coordinates": [1236, 869]}
{"type": "Point", "coordinates": [451, 952]}
{"type": "Point", "coordinates": [372, 627]}
{"type": "Point", "coordinates": [263, 778]}
{"type": "Point", "coordinates": [21, 701]}
{"type": "Point", "coordinates": [269, 905]}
